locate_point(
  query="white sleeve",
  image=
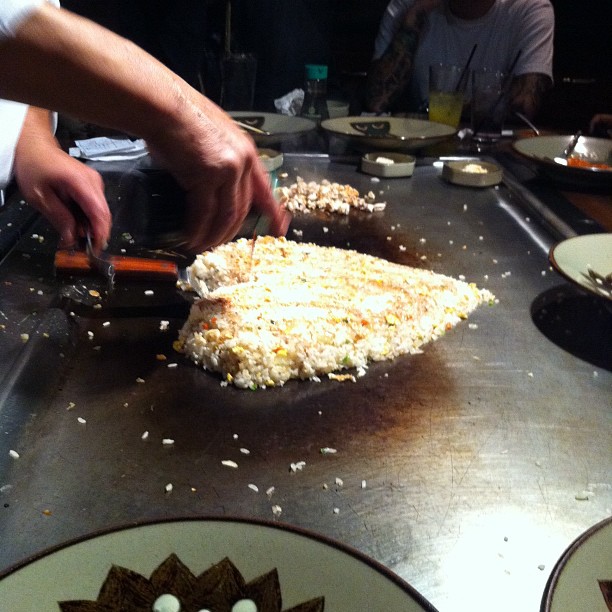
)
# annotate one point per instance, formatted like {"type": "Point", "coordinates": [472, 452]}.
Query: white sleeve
{"type": "Point", "coordinates": [12, 114]}
{"type": "Point", "coordinates": [13, 12]}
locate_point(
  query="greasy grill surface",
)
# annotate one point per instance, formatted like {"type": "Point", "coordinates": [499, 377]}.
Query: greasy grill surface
{"type": "Point", "coordinates": [491, 420]}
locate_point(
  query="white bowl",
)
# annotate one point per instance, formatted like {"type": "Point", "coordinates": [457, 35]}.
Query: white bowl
{"type": "Point", "coordinates": [337, 108]}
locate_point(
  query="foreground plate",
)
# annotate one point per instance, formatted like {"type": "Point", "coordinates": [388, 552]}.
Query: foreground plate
{"type": "Point", "coordinates": [543, 150]}
{"type": "Point", "coordinates": [279, 127]}
{"type": "Point", "coordinates": [394, 133]}
{"type": "Point", "coordinates": [574, 582]}
{"type": "Point", "coordinates": [308, 565]}
{"type": "Point", "coordinates": [573, 257]}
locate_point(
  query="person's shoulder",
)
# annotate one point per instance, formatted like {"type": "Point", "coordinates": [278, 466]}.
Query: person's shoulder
{"type": "Point", "coordinates": [524, 9]}
{"type": "Point", "coordinates": [524, 5]}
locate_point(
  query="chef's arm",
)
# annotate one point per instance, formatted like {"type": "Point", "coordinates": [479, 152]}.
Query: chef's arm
{"type": "Point", "coordinates": [389, 75]}
{"type": "Point", "coordinates": [64, 62]}
{"type": "Point", "coordinates": [61, 61]}
{"type": "Point", "coordinates": [54, 183]}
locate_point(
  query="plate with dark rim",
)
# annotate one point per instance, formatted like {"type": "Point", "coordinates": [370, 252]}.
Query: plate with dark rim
{"type": "Point", "coordinates": [272, 128]}
{"type": "Point", "coordinates": [389, 133]}
{"type": "Point", "coordinates": [543, 149]}
{"type": "Point", "coordinates": [582, 578]}
{"type": "Point", "coordinates": [309, 565]}
{"type": "Point", "coordinates": [586, 261]}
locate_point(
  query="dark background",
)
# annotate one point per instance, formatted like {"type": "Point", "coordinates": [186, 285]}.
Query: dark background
{"type": "Point", "coordinates": [188, 35]}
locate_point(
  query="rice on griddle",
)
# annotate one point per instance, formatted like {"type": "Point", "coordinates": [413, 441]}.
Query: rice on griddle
{"type": "Point", "coordinates": [299, 310]}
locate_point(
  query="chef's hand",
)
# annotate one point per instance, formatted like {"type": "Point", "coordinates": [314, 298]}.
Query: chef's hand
{"type": "Point", "coordinates": [83, 70]}
{"type": "Point", "coordinates": [54, 183]}
{"type": "Point", "coordinates": [218, 166]}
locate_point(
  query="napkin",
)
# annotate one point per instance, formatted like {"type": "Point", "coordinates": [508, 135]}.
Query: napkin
{"type": "Point", "coordinates": [102, 148]}
{"type": "Point", "coordinates": [291, 103]}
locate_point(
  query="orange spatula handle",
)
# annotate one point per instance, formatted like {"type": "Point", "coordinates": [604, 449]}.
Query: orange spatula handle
{"type": "Point", "coordinates": [76, 262]}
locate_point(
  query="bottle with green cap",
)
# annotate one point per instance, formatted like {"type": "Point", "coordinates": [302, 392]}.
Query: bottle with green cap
{"type": "Point", "coordinates": [315, 93]}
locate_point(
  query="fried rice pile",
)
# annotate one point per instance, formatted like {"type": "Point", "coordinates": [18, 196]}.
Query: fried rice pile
{"type": "Point", "coordinates": [277, 310]}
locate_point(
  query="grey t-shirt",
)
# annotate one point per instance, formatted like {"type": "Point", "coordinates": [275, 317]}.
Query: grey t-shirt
{"type": "Point", "coordinates": [509, 26]}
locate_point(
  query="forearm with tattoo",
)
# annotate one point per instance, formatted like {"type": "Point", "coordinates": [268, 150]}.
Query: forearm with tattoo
{"type": "Point", "coordinates": [389, 75]}
{"type": "Point", "coordinates": [527, 92]}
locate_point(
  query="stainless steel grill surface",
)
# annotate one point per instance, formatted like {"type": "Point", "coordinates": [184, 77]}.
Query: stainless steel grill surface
{"type": "Point", "coordinates": [463, 469]}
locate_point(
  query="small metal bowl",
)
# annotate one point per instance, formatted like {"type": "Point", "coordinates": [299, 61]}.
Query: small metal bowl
{"type": "Point", "coordinates": [388, 164]}
{"type": "Point", "coordinates": [271, 159]}
{"type": "Point", "coordinates": [487, 174]}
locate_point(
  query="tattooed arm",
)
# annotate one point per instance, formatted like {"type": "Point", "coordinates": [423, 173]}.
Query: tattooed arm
{"type": "Point", "coordinates": [527, 92]}
{"type": "Point", "coordinates": [389, 75]}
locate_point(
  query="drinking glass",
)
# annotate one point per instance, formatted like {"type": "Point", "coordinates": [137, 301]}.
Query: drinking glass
{"type": "Point", "coordinates": [446, 94]}
{"type": "Point", "coordinates": [489, 104]}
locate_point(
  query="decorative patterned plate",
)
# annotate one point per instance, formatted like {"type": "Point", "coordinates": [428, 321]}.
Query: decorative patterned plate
{"type": "Point", "coordinates": [308, 565]}
{"type": "Point", "coordinates": [272, 128]}
{"type": "Point", "coordinates": [389, 133]}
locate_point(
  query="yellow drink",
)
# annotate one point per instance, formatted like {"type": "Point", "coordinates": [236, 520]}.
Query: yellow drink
{"type": "Point", "coordinates": [445, 107]}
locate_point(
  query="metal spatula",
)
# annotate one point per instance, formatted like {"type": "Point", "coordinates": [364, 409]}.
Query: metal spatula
{"type": "Point", "coordinates": [571, 145]}
{"type": "Point", "coordinates": [101, 263]}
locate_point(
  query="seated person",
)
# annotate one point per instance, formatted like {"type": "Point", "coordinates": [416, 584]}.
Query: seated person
{"type": "Point", "coordinates": [414, 34]}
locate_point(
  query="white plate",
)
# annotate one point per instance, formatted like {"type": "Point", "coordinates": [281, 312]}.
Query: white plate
{"type": "Point", "coordinates": [573, 257]}
{"type": "Point", "coordinates": [543, 149]}
{"type": "Point", "coordinates": [402, 133]}
{"type": "Point", "coordinates": [308, 565]}
{"type": "Point", "coordinates": [573, 584]}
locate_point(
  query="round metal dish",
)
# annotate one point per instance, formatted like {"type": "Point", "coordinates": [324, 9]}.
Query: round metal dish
{"type": "Point", "coordinates": [388, 164]}
{"type": "Point", "coordinates": [389, 133]}
{"type": "Point", "coordinates": [271, 159]}
{"type": "Point", "coordinates": [458, 172]}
